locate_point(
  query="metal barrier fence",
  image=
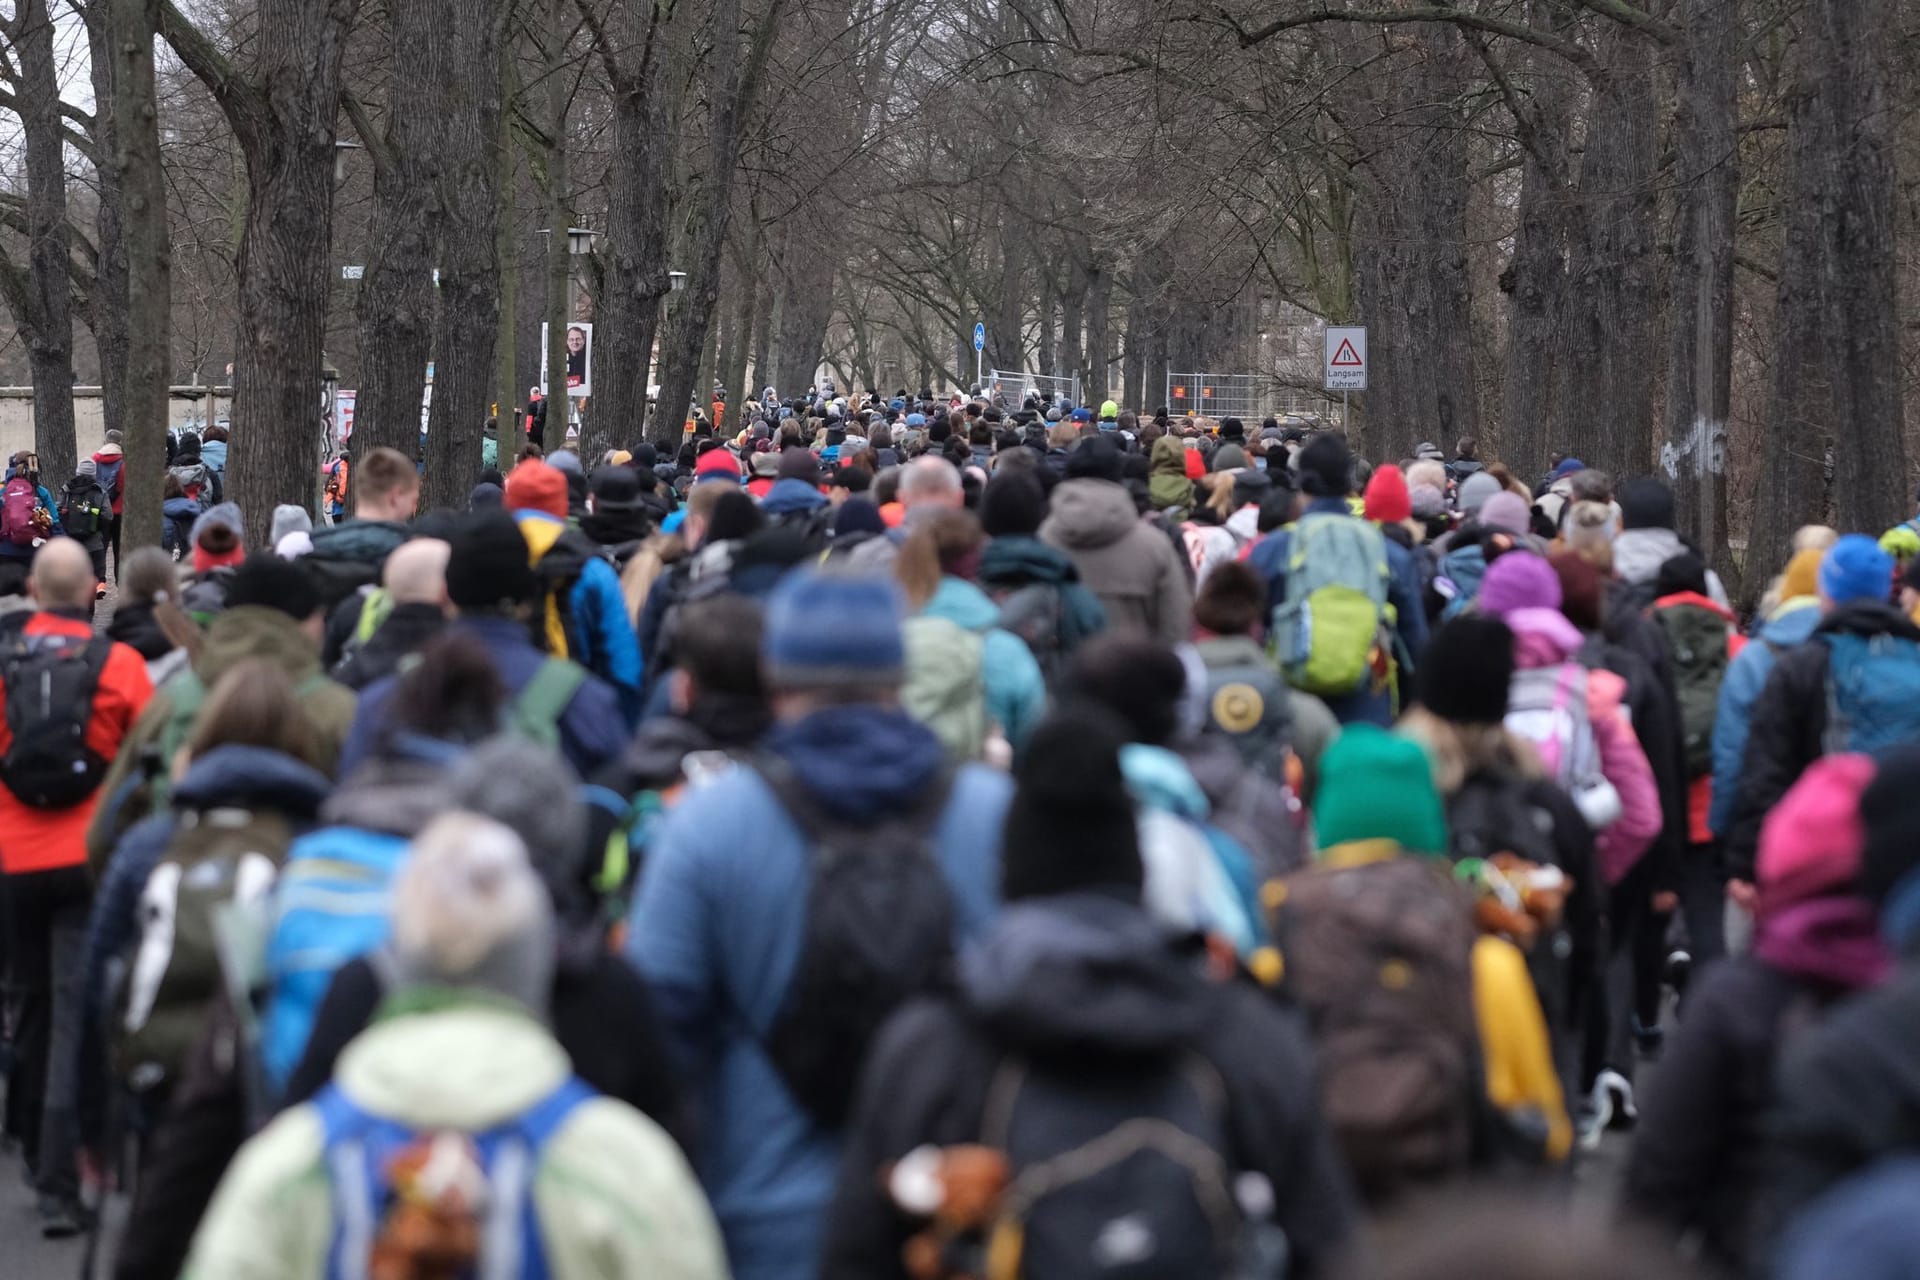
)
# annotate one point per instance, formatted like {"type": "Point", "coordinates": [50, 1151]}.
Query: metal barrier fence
{"type": "Point", "coordinates": [1253, 396]}
{"type": "Point", "coordinates": [1013, 385]}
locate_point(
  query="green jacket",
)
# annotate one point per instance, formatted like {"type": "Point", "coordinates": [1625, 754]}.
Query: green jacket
{"type": "Point", "coordinates": [614, 1195]}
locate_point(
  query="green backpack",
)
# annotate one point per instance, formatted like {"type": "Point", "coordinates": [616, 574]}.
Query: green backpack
{"type": "Point", "coordinates": [1334, 615]}
{"type": "Point", "coordinates": [1697, 637]}
{"type": "Point", "coordinates": [946, 685]}
{"type": "Point", "coordinates": [186, 693]}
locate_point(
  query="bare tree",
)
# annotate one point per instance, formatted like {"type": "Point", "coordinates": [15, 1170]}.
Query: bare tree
{"type": "Point", "coordinates": [129, 28]}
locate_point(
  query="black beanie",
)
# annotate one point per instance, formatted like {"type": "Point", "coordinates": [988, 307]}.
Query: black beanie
{"type": "Point", "coordinates": [1326, 467]}
{"type": "Point", "coordinates": [1645, 503]}
{"type": "Point", "coordinates": [1071, 825]}
{"type": "Point", "coordinates": [264, 579]}
{"type": "Point", "coordinates": [1684, 572]}
{"type": "Point", "coordinates": [1095, 458]}
{"type": "Point", "coordinates": [488, 564]}
{"type": "Point", "coordinates": [1892, 823]}
{"type": "Point", "coordinates": [1013, 504]}
{"type": "Point", "coordinates": [1466, 669]}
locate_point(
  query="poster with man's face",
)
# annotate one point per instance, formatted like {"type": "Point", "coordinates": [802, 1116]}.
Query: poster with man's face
{"type": "Point", "coordinates": [579, 360]}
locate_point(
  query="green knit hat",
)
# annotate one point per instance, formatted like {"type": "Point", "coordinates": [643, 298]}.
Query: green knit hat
{"type": "Point", "coordinates": [1375, 785]}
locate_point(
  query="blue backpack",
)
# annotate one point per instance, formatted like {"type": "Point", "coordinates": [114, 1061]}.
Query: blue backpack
{"type": "Point", "coordinates": [1873, 693]}
{"type": "Point", "coordinates": [332, 903]}
{"type": "Point", "coordinates": [361, 1150]}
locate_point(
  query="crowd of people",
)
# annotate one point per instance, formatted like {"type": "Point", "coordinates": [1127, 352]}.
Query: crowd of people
{"type": "Point", "coordinates": [931, 838]}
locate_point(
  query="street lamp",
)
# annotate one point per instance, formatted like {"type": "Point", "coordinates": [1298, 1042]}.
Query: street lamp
{"type": "Point", "coordinates": [676, 281]}
{"type": "Point", "coordinates": [580, 241]}
{"type": "Point", "coordinates": [340, 149]}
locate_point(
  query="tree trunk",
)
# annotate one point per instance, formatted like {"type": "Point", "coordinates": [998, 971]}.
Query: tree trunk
{"type": "Point", "coordinates": [1700, 344]}
{"type": "Point", "coordinates": [109, 302]}
{"type": "Point", "coordinates": [1837, 367]}
{"type": "Point", "coordinates": [747, 303]}
{"type": "Point", "coordinates": [396, 302]}
{"type": "Point", "coordinates": [467, 135]}
{"type": "Point", "coordinates": [1072, 319]}
{"type": "Point", "coordinates": [1093, 383]}
{"type": "Point", "coordinates": [506, 376]}
{"type": "Point", "coordinates": [559, 259]}
{"type": "Point", "coordinates": [50, 339]}
{"type": "Point", "coordinates": [148, 246]}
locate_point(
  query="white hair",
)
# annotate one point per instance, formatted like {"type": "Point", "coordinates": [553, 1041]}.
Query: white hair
{"type": "Point", "coordinates": [466, 891]}
{"type": "Point", "coordinates": [929, 478]}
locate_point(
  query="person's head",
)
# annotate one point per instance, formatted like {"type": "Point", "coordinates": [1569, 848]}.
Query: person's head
{"type": "Point", "coordinates": [701, 501]}
{"type": "Point", "coordinates": [539, 486]}
{"type": "Point", "coordinates": [1466, 671]}
{"type": "Point", "coordinates": [1590, 485]}
{"type": "Point", "coordinates": [385, 486]}
{"type": "Point", "coordinates": [576, 339]}
{"type": "Point", "coordinates": [1506, 513]}
{"type": "Point", "coordinates": [832, 638]}
{"type": "Point", "coordinates": [1375, 785]}
{"type": "Point", "coordinates": [849, 482]}
{"type": "Point", "coordinates": [469, 913]}
{"type": "Point", "coordinates": [216, 538]}
{"type": "Point", "coordinates": [945, 544]}
{"type": "Point", "coordinates": [530, 790]}
{"type": "Point", "coordinates": [149, 576]}
{"type": "Point", "coordinates": [1139, 680]}
{"type": "Point", "coordinates": [1516, 581]}
{"type": "Point", "coordinates": [1467, 449]}
{"type": "Point", "coordinates": [216, 432]}
{"type": "Point", "coordinates": [488, 568]}
{"type": "Point", "coordinates": [1232, 601]}
{"type": "Point", "coordinates": [1588, 531]}
{"type": "Point", "coordinates": [454, 694]}
{"type": "Point", "coordinates": [416, 573]}
{"type": "Point", "coordinates": [735, 516]}
{"type": "Point", "coordinates": [288, 518]}
{"type": "Point", "coordinates": [1014, 504]}
{"type": "Point", "coordinates": [1583, 590]}
{"type": "Point", "coordinates": [717, 652]}
{"type": "Point", "coordinates": [1070, 827]}
{"type": "Point", "coordinates": [254, 704]}
{"type": "Point", "coordinates": [1095, 458]}
{"type": "Point", "coordinates": [62, 576]}
{"type": "Point", "coordinates": [1679, 574]}
{"type": "Point", "coordinates": [1388, 500]}
{"type": "Point", "coordinates": [1326, 467]}
{"type": "Point", "coordinates": [930, 482]}
{"type": "Point", "coordinates": [1427, 471]}
{"type": "Point", "coordinates": [1475, 490]}
{"type": "Point", "coordinates": [1645, 503]}
{"type": "Point", "coordinates": [614, 489]}
{"type": "Point", "coordinates": [1854, 570]}
{"type": "Point", "coordinates": [265, 581]}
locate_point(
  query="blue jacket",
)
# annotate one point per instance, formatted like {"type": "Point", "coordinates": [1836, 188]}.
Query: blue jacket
{"type": "Point", "coordinates": [1016, 691]}
{"type": "Point", "coordinates": [592, 730]}
{"type": "Point", "coordinates": [790, 495]}
{"type": "Point", "coordinates": [716, 929]}
{"type": "Point", "coordinates": [213, 454]}
{"type": "Point", "coordinates": [1791, 624]}
{"type": "Point", "coordinates": [608, 647]}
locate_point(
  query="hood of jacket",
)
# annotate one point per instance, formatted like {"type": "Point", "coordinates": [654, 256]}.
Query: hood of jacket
{"type": "Point", "coordinates": [255, 631]}
{"type": "Point", "coordinates": [135, 626]}
{"type": "Point", "coordinates": [1791, 623]}
{"type": "Point", "coordinates": [180, 508]}
{"type": "Point", "coordinates": [1639, 553]}
{"type": "Point", "coordinates": [361, 541]}
{"type": "Point", "coordinates": [1542, 637]}
{"type": "Point", "coordinates": [214, 454]}
{"type": "Point", "coordinates": [394, 797]}
{"type": "Point", "coordinates": [1080, 972]}
{"type": "Point", "coordinates": [963, 604]}
{"type": "Point", "coordinates": [616, 528]}
{"type": "Point", "coordinates": [1159, 779]}
{"type": "Point", "coordinates": [1868, 618]}
{"type": "Point", "coordinates": [244, 777]}
{"type": "Point", "coordinates": [1220, 652]}
{"type": "Point", "coordinates": [1016, 559]}
{"type": "Point", "coordinates": [1694, 600]}
{"type": "Point", "coordinates": [790, 495]}
{"type": "Point", "coordinates": [466, 1066]}
{"type": "Point", "coordinates": [1169, 457]}
{"type": "Point", "coordinates": [860, 761]}
{"type": "Point", "coordinates": [1090, 513]}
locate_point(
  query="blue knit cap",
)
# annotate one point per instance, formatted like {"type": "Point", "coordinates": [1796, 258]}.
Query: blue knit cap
{"type": "Point", "coordinates": [833, 630]}
{"type": "Point", "coordinates": [1856, 569]}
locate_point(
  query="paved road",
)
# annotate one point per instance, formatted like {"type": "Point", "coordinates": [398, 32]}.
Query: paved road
{"type": "Point", "coordinates": [23, 1254]}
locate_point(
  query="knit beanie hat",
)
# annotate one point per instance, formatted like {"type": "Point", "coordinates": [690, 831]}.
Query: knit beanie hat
{"type": "Point", "coordinates": [1645, 503]}
{"type": "Point", "coordinates": [488, 563]}
{"type": "Point", "coordinates": [289, 518]}
{"type": "Point", "coordinates": [1375, 785]}
{"type": "Point", "coordinates": [535, 486]}
{"type": "Point", "coordinates": [857, 515]}
{"type": "Point", "coordinates": [1855, 569]}
{"type": "Point", "coordinates": [1802, 577]}
{"type": "Point", "coordinates": [565, 461]}
{"type": "Point", "coordinates": [217, 538]}
{"type": "Point", "coordinates": [87, 467]}
{"type": "Point", "coordinates": [1506, 512]}
{"type": "Point", "coordinates": [717, 464]}
{"type": "Point", "coordinates": [1475, 490]}
{"type": "Point", "coordinates": [1071, 824]}
{"type": "Point", "coordinates": [469, 912]}
{"type": "Point", "coordinates": [1518, 580]}
{"type": "Point", "coordinates": [1229, 457]}
{"type": "Point", "coordinates": [1427, 502]}
{"type": "Point", "coordinates": [1325, 467]}
{"type": "Point", "coordinates": [1095, 458]}
{"type": "Point", "coordinates": [1387, 498]}
{"type": "Point", "coordinates": [1013, 504]}
{"type": "Point", "coordinates": [268, 582]}
{"type": "Point", "coordinates": [486, 497]}
{"type": "Point", "coordinates": [1582, 592]}
{"type": "Point", "coordinates": [833, 630]}
{"type": "Point", "coordinates": [1466, 669]}
{"type": "Point", "coordinates": [1812, 841]}
{"type": "Point", "coordinates": [1679, 574]}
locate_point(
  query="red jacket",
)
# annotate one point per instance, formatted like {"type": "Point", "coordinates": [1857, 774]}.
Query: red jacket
{"type": "Point", "coordinates": [47, 839]}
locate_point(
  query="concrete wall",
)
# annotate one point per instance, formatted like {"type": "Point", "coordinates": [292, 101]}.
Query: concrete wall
{"type": "Point", "coordinates": [188, 405]}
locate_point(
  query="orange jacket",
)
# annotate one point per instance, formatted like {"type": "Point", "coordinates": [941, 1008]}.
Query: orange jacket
{"type": "Point", "coordinates": [47, 839]}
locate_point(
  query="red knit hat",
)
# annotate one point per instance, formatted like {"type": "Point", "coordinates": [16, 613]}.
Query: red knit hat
{"type": "Point", "coordinates": [1387, 498]}
{"type": "Point", "coordinates": [535, 486]}
{"type": "Point", "coordinates": [1811, 844]}
{"type": "Point", "coordinates": [717, 462]}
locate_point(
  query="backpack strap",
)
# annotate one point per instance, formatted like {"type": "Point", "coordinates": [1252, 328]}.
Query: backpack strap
{"type": "Point", "coordinates": [537, 710]}
{"type": "Point", "coordinates": [816, 824]}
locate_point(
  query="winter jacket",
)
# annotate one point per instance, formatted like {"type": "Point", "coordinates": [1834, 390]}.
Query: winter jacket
{"type": "Point", "coordinates": [592, 729]}
{"type": "Point", "coordinates": [1788, 727]}
{"type": "Point", "coordinates": [110, 468]}
{"type": "Point", "coordinates": [250, 631]}
{"type": "Point", "coordinates": [1639, 553]}
{"type": "Point", "coordinates": [1016, 694]}
{"type": "Point", "coordinates": [1791, 624]}
{"type": "Point", "coordinates": [716, 930]}
{"type": "Point", "coordinates": [1700, 789]}
{"type": "Point", "coordinates": [33, 839]}
{"type": "Point", "coordinates": [1544, 638]}
{"type": "Point", "coordinates": [346, 557]}
{"type": "Point", "coordinates": [405, 631]}
{"type": "Point", "coordinates": [620, 532]}
{"type": "Point", "coordinates": [601, 626]}
{"type": "Point", "coordinates": [792, 497]}
{"type": "Point", "coordinates": [1079, 987]}
{"type": "Point", "coordinates": [176, 528]}
{"type": "Point", "coordinates": [1015, 560]}
{"type": "Point", "coordinates": [1196, 879]}
{"type": "Point", "coordinates": [213, 453]}
{"type": "Point", "coordinates": [1632, 646]}
{"type": "Point", "coordinates": [1168, 486]}
{"type": "Point", "coordinates": [1311, 728]}
{"type": "Point", "coordinates": [1134, 571]}
{"type": "Point", "coordinates": [613, 1195]}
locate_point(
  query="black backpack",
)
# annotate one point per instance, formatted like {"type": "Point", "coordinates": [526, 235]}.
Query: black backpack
{"type": "Point", "coordinates": [84, 506]}
{"type": "Point", "coordinates": [879, 931]}
{"type": "Point", "coordinates": [50, 683]}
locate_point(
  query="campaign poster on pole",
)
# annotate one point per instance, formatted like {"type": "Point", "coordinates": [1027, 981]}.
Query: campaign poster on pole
{"type": "Point", "coordinates": [579, 360]}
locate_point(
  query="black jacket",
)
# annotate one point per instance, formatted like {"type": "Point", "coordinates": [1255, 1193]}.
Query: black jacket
{"type": "Point", "coordinates": [1700, 1148]}
{"type": "Point", "coordinates": [622, 532]}
{"type": "Point", "coordinates": [406, 631]}
{"type": "Point", "coordinates": [135, 625]}
{"type": "Point", "coordinates": [1632, 648]}
{"type": "Point", "coordinates": [1077, 986]}
{"type": "Point", "coordinates": [1788, 728]}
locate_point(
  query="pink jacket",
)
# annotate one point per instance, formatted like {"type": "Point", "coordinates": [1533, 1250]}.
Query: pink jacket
{"type": "Point", "coordinates": [1544, 638]}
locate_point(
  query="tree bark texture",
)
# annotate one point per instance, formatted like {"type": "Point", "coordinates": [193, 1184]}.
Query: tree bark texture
{"type": "Point", "coordinates": [148, 255]}
{"type": "Point", "coordinates": [108, 309]}
{"type": "Point", "coordinates": [558, 277]}
{"type": "Point", "coordinates": [1093, 382]}
{"type": "Point", "coordinates": [50, 329]}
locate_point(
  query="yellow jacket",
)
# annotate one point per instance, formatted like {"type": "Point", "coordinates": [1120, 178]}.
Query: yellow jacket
{"type": "Point", "coordinates": [1513, 1036]}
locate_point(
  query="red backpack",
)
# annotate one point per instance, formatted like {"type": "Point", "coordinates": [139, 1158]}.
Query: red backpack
{"type": "Point", "coordinates": [18, 501]}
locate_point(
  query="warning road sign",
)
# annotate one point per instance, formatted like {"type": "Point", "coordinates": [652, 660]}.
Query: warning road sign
{"type": "Point", "coordinates": [1347, 358]}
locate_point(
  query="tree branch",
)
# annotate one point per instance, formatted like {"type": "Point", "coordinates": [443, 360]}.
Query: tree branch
{"type": "Point", "coordinates": [371, 138]}
{"type": "Point", "coordinates": [1639, 19]}
{"type": "Point", "coordinates": [236, 96]}
{"type": "Point", "coordinates": [1568, 49]}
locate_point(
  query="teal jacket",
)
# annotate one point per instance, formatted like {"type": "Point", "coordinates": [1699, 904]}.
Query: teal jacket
{"type": "Point", "coordinates": [1016, 692]}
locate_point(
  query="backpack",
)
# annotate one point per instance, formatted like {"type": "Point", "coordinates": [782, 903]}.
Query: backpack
{"type": "Point", "coordinates": [107, 472]}
{"type": "Point", "coordinates": [337, 476]}
{"type": "Point", "coordinates": [186, 692]}
{"type": "Point", "coordinates": [1036, 612]}
{"type": "Point", "coordinates": [1119, 1177]}
{"type": "Point", "coordinates": [437, 1202]}
{"type": "Point", "coordinates": [946, 684]}
{"type": "Point", "coordinates": [50, 686]}
{"type": "Point", "coordinates": [1246, 703]}
{"type": "Point", "coordinates": [1548, 707]}
{"type": "Point", "coordinates": [213, 856]}
{"type": "Point", "coordinates": [879, 931]}
{"type": "Point", "coordinates": [1330, 627]}
{"type": "Point", "coordinates": [1489, 815]}
{"type": "Point", "coordinates": [332, 903]}
{"type": "Point", "coordinates": [84, 507]}
{"type": "Point", "coordinates": [1380, 957]}
{"type": "Point", "coordinates": [558, 569]}
{"type": "Point", "coordinates": [19, 503]}
{"type": "Point", "coordinates": [1697, 638]}
{"type": "Point", "coordinates": [1873, 693]}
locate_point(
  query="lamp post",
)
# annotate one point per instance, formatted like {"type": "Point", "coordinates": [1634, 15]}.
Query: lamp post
{"type": "Point", "coordinates": [340, 149]}
{"type": "Point", "coordinates": [676, 281]}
